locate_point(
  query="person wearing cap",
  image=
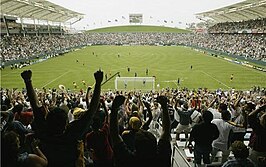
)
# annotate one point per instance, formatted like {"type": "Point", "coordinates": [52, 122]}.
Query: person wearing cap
{"type": "Point", "coordinates": [59, 140]}
{"type": "Point", "coordinates": [78, 113]}
{"type": "Point", "coordinates": [128, 135]}
{"type": "Point", "coordinates": [148, 152]}
{"type": "Point", "coordinates": [134, 125]}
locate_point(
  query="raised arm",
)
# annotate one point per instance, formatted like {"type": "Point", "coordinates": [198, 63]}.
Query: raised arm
{"type": "Point", "coordinates": [212, 102]}
{"type": "Point", "coordinates": [166, 119]}
{"type": "Point", "coordinates": [82, 125]}
{"type": "Point", "coordinates": [140, 104]}
{"type": "Point", "coordinates": [116, 138]}
{"type": "Point", "coordinates": [147, 123]}
{"type": "Point", "coordinates": [258, 110]}
{"type": "Point", "coordinates": [244, 124]}
{"type": "Point", "coordinates": [105, 110]}
{"type": "Point", "coordinates": [98, 75]}
{"type": "Point", "coordinates": [26, 75]}
{"type": "Point", "coordinates": [87, 96]}
{"type": "Point", "coordinates": [237, 101]}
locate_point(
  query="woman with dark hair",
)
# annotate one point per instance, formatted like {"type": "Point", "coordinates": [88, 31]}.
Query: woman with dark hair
{"type": "Point", "coordinates": [241, 152]}
{"type": "Point", "coordinates": [11, 156]}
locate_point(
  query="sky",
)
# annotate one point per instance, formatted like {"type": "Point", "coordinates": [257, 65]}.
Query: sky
{"type": "Point", "coordinates": [170, 13]}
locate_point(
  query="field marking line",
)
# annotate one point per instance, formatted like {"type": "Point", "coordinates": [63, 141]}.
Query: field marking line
{"type": "Point", "coordinates": [56, 78]}
{"type": "Point", "coordinates": [8, 73]}
{"type": "Point", "coordinates": [216, 79]}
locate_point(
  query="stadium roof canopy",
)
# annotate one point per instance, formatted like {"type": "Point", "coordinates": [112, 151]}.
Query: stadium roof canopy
{"type": "Point", "coordinates": [38, 9]}
{"type": "Point", "coordinates": [246, 10]}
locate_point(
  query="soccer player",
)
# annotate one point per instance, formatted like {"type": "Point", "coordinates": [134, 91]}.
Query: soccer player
{"type": "Point", "coordinates": [83, 82]}
{"type": "Point", "coordinates": [232, 77]}
{"type": "Point", "coordinates": [125, 84]}
{"type": "Point", "coordinates": [75, 85]}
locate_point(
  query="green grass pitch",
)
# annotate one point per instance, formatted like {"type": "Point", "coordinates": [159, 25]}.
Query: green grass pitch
{"type": "Point", "coordinates": [167, 63]}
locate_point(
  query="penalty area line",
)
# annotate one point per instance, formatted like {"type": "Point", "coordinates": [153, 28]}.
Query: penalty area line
{"type": "Point", "coordinates": [216, 79]}
{"type": "Point", "coordinates": [56, 78]}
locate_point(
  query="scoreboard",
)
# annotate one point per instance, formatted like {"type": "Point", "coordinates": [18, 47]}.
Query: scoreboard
{"type": "Point", "coordinates": [135, 18]}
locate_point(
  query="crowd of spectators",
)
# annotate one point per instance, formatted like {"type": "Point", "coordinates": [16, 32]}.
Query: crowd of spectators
{"type": "Point", "coordinates": [67, 128]}
{"type": "Point", "coordinates": [254, 26]}
{"type": "Point", "coordinates": [247, 45]}
{"type": "Point", "coordinates": [19, 47]}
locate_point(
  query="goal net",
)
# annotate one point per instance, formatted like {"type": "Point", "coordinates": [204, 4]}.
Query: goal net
{"type": "Point", "coordinates": [134, 83]}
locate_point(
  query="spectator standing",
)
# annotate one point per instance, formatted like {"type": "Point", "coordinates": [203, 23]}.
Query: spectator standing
{"type": "Point", "coordinates": [184, 120]}
{"type": "Point", "coordinates": [203, 134]}
{"type": "Point", "coordinates": [97, 141]}
{"type": "Point", "coordinates": [222, 143]}
{"type": "Point", "coordinates": [257, 121]}
{"type": "Point", "coordinates": [58, 139]}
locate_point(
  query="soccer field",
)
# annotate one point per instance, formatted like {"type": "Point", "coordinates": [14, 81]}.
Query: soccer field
{"type": "Point", "coordinates": [166, 63]}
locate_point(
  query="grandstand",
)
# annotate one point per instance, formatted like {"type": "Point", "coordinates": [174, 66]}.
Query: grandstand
{"type": "Point", "coordinates": [236, 35]}
{"type": "Point", "coordinates": [242, 11]}
{"type": "Point", "coordinates": [12, 10]}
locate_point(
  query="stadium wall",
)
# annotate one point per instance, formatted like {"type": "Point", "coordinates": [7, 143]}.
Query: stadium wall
{"type": "Point", "coordinates": [237, 59]}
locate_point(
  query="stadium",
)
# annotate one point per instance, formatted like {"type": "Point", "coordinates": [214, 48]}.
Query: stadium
{"type": "Point", "coordinates": [142, 85]}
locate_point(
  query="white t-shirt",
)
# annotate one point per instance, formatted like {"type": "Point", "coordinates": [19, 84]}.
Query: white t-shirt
{"type": "Point", "coordinates": [224, 130]}
{"type": "Point", "coordinates": [216, 114]}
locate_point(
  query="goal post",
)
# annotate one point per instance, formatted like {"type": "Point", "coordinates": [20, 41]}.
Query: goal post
{"type": "Point", "coordinates": [135, 83]}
